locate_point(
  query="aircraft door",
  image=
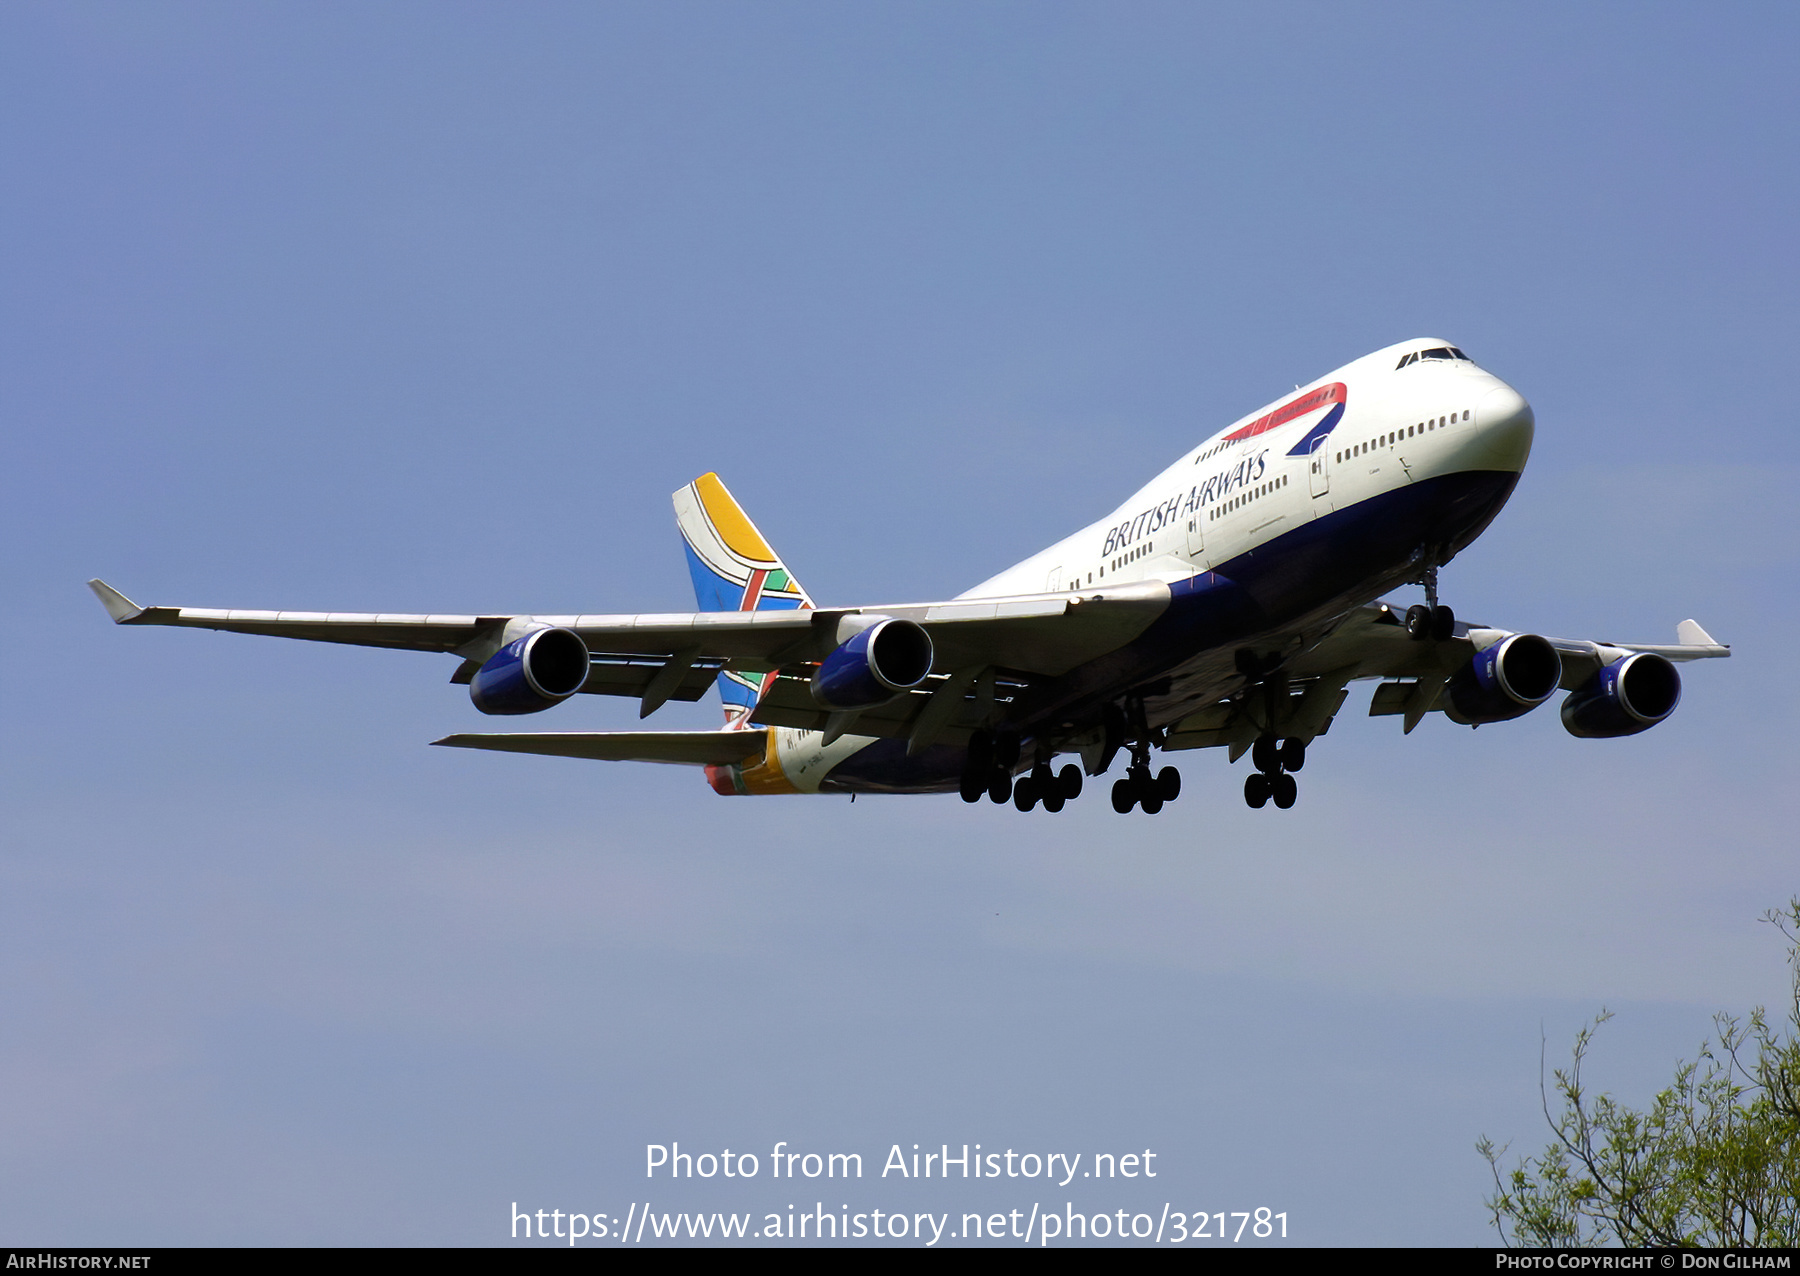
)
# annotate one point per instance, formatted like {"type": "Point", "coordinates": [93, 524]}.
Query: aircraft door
{"type": "Point", "coordinates": [1319, 471]}
{"type": "Point", "coordinates": [1196, 538]}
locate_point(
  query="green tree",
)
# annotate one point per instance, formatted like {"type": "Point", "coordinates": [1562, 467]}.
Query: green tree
{"type": "Point", "coordinates": [1714, 1161]}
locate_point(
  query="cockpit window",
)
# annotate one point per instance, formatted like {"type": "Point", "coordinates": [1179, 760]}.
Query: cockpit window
{"type": "Point", "coordinates": [1439, 352]}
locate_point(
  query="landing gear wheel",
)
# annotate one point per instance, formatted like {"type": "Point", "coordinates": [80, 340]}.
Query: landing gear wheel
{"type": "Point", "coordinates": [1069, 780]}
{"type": "Point", "coordinates": [1124, 796]}
{"type": "Point", "coordinates": [1265, 755]}
{"type": "Point", "coordinates": [1168, 784]}
{"type": "Point", "coordinates": [1000, 787]}
{"type": "Point", "coordinates": [980, 754]}
{"type": "Point", "coordinates": [1293, 754]}
{"type": "Point", "coordinates": [1256, 790]}
{"type": "Point", "coordinates": [1283, 790]}
{"type": "Point", "coordinates": [1024, 793]}
{"type": "Point", "coordinates": [1443, 624]}
{"type": "Point", "coordinates": [1006, 749]}
{"type": "Point", "coordinates": [974, 784]}
{"type": "Point", "coordinates": [1053, 799]}
{"type": "Point", "coordinates": [1418, 622]}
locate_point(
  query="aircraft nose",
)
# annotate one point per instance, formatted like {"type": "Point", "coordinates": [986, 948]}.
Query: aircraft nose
{"type": "Point", "coordinates": [1504, 424]}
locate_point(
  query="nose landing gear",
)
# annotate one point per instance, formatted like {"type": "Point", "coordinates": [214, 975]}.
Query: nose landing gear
{"type": "Point", "coordinates": [1431, 621]}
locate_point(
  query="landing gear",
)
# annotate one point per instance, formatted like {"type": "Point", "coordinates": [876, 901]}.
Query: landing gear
{"type": "Point", "coordinates": [1274, 760]}
{"type": "Point", "coordinates": [1041, 784]}
{"type": "Point", "coordinates": [988, 771]}
{"type": "Point", "coordinates": [1434, 623]}
{"type": "Point", "coordinates": [1140, 787]}
{"type": "Point", "coordinates": [1430, 621]}
{"type": "Point", "coordinates": [988, 767]}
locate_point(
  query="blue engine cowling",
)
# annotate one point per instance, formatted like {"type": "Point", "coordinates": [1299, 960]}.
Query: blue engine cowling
{"type": "Point", "coordinates": [1623, 698]}
{"type": "Point", "coordinates": [530, 674]}
{"type": "Point", "coordinates": [1512, 677]}
{"type": "Point", "coordinates": [873, 667]}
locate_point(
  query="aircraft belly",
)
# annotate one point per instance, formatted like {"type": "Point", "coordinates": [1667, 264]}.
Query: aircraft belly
{"type": "Point", "coordinates": [885, 767]}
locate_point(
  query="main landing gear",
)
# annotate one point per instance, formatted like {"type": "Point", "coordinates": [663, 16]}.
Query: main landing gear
{"type": "Point", "coordinates": [1275, 761]}
{"type": "Point", "coordinates": [988, 772]}
{"type": "Point", "coordinates": [1052, 788]}
{"type": "Point", "coordinates": [1140, 788]}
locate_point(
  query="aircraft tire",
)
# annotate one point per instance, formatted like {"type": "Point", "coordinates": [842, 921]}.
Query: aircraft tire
{"type": "Point", "coordinates": [974, 784]}
{"type": "Point", "coordinates": [980, 753]}
{"type": "Point", "coordinates": [1265, 756]}
{"type": "Point", "coordinates": [1151, 804]}
{"type": "Point", "coordinates": [1418, 622]}
{"type": "Point", "coordinates": [1283, 790]}
{"type": "Point", "coordinates": [1006, 749]}
{"type": "Point", "coordinates": [1293, 754]}
{"type": "Point", "coordinates": [1124, 796]}
{"type": "Point", "coordinates": [1069, 780]}
{"type": "Point", "coordinates": [1000, 786]}
{"type": "Point", "coordinates": [1256, 790]}
{"type": "Point", "coordinates": [1024, 793]}
{"type": "Point", "coordinates": [1443, 624]}
{"type": "Point", "coordinates": [1168, 784]}
{"type": "Point", "coordinates": [1053, 799]}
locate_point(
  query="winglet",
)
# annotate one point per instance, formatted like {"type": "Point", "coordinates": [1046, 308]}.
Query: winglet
{"type": "Point", "coordinates": [122, 609]}
{"type": "Point", "coordinates": [1689, 634]}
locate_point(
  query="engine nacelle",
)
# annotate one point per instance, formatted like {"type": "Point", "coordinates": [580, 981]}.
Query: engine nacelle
{"type": "Point", "coordinates": [1510, 678]}
{"type": "Point", "coordinates": [874, 666]}
{"type": "Point", "coordinates": [530, 674]}
{"type": "Point", "coordinates": [1623, 698]}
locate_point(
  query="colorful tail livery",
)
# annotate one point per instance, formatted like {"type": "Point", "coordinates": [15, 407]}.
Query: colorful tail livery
{"type": "Point", "coordinates": [734, 570]}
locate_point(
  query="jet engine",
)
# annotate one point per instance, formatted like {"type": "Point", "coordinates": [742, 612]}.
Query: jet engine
{"type": "Point", "coordinates": [1512, 677]}
{"type": "Point", "coordinates": [874, 666]}
{"type": "Point", "coordinates": [1623, 698]}
{"type": "Point", "coordinates": [530, 674]}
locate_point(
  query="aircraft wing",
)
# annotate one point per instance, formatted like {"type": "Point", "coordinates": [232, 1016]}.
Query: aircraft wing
{"type": "Point", "coordinates": [1046, 634]}
{"type": "Point", "coordinates": [1372, 642]}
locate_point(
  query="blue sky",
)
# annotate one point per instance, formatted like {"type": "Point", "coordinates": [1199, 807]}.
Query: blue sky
{"type": "Point", "coordinates": [429, 308]}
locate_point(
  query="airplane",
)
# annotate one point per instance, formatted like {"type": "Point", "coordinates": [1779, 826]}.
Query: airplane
{"type": "Point", "coordinates": [1228, 603]}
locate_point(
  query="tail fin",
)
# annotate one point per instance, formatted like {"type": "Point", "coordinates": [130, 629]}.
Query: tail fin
{"type": "Point", "coordinates": [733, 570]}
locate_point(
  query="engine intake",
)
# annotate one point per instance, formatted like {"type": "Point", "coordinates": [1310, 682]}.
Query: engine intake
{"type": "Point", "coordinates": [1623, 698]}
{"type": "Point", "coordinates": [883, 661]}
{"type": "Point", "coordinates": [1513, 677]}
{"type": "Point", "coordinates": [530, 674]}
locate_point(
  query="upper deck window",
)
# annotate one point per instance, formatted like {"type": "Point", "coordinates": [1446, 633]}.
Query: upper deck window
{"type": "Point", "coordinates": [1437, 352]}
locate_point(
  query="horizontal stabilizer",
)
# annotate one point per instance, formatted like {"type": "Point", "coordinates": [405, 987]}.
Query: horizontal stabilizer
{"type": "Point", "coordinates": [691, 748]}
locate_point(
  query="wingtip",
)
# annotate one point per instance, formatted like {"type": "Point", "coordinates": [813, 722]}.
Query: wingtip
{"type": "Point", "coordinates": [119, 607]}
{"type": "Point", "coordinates": [1689, 634]}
